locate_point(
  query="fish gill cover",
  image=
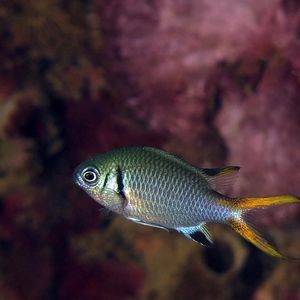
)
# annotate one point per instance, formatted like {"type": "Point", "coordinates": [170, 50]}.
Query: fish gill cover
{"type": "Point", "coordinates": [215, 82]}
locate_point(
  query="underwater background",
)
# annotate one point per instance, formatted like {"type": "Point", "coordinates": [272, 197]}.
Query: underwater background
{"type": "Point", "coordinates": [215, 82]}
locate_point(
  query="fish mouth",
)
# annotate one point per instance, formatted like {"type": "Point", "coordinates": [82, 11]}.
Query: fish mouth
{"type": "Point", "coordinates": [76, 177]}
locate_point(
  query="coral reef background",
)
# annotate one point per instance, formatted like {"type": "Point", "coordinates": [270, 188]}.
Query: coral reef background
{"type": "Point", "coordinates": [217, 82]}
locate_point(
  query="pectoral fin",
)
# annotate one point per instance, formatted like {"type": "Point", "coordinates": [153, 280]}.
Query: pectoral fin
{"type": "Point", "coordinates": [113, 200]}
{"type": "Point", "coordinates": [113, 191]}
{"type": "Point", "coordinates": [199, 234]}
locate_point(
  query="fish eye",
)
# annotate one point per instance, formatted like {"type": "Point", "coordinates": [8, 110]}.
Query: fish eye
{"type": "Point", "coordinates": [90, 175]}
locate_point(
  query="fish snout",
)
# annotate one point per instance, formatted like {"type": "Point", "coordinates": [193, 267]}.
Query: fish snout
{"type": "Point", "coordinates": [77, 176]}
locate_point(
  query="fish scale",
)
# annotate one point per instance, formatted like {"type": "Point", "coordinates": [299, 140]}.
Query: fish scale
{"type": "Point", "coordinates": [164, 187]}
{"type": "Point", "coordinates": [154, 188]}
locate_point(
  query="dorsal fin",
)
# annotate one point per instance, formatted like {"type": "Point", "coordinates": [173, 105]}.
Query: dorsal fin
{"type": "Point", "coordinates": [221, 179]}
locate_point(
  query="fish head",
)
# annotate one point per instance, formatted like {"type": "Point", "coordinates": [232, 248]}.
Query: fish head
{"type": "Point", "coordinates": [90, 176]}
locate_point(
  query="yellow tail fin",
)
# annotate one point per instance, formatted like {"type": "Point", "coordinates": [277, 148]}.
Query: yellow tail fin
{"type": "Point", "coordinates": [248, 203]}
{"type": "Point", "coordinates": [253, 237]}
{"type": "Point", "coordinates": [239, 224]}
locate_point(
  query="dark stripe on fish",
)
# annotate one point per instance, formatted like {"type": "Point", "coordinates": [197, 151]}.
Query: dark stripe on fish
{"type": "Point", "coordinates": [105, 180]}
{"type": "Point", "coordinates": [120, 182]}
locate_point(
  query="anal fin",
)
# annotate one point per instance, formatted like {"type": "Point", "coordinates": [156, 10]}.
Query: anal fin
{"type": "Point", "coordinates": [199, 234]}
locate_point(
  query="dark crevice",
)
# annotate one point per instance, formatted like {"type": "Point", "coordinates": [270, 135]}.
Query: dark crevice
{"type": "Point", "coordinates": [255, 269]}
{"type": "Point", "coordinates": [219, 258]}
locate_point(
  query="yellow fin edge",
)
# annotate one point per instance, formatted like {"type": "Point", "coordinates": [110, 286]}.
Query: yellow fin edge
{"type": "Point", "coordinates": [253, 237]}
{"type": "Point", "coordinates": [253, 202]}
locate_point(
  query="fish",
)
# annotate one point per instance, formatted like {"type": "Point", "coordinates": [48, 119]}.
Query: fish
{"type": "Point", "coordinates": [155, 188]}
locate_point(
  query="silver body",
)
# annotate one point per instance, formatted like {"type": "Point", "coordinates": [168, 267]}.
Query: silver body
{"type": "Point", "coordinates": [158, 188]}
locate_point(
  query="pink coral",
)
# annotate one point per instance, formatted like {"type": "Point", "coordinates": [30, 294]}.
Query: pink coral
{"type": "Point", "coordinates": [261, 132]}
{"type": "Point", "coordinates": [169, 49]}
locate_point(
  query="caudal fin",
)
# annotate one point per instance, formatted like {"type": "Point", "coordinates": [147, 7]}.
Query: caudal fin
{"type": "Point", "coordinates": [241, 226]}
{"type": "Point", "coordinates": [252, 202]}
